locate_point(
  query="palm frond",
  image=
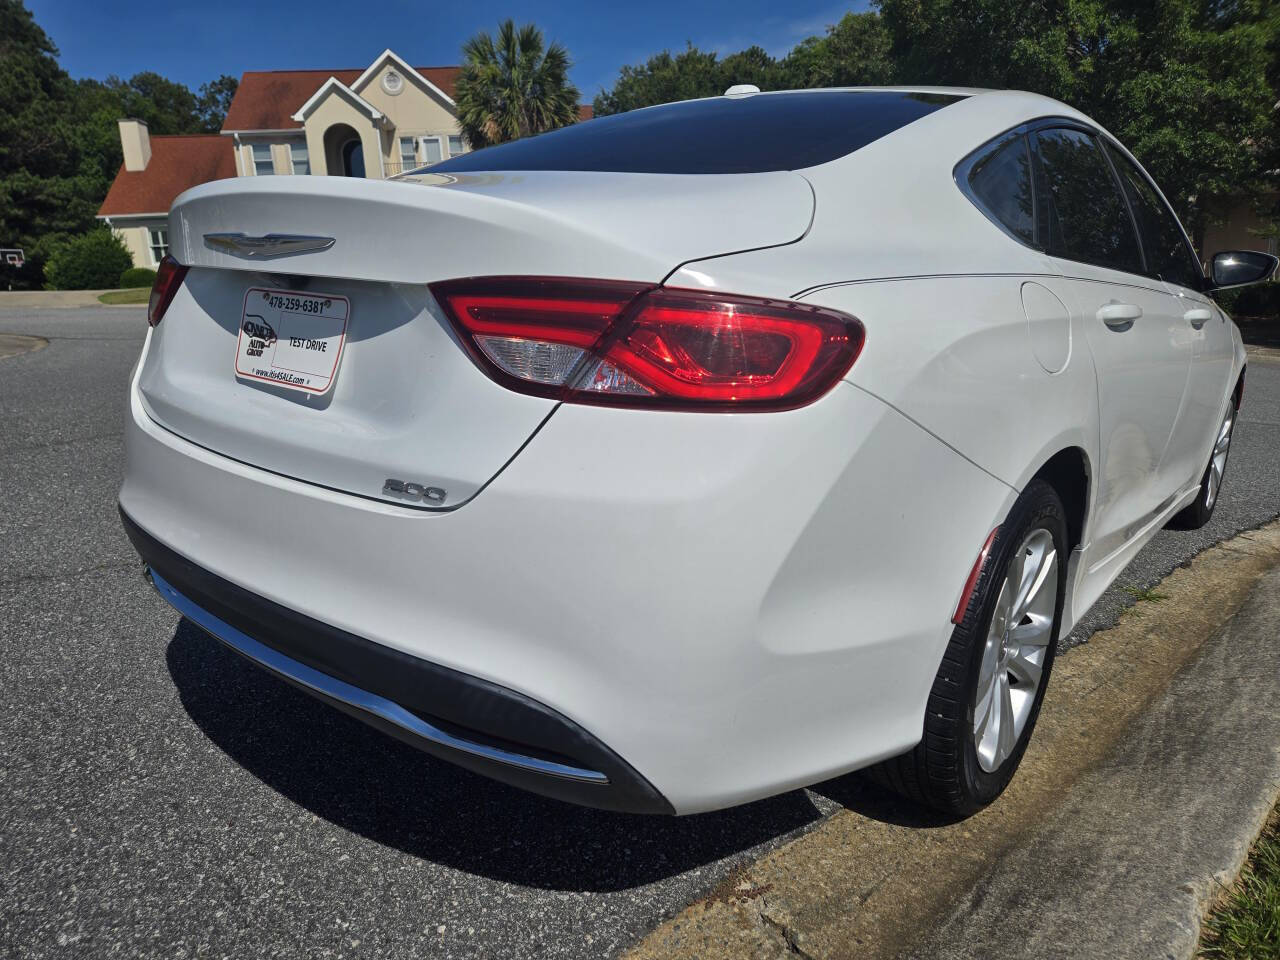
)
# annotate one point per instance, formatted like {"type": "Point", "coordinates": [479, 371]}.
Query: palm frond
{"type": "Point", "coordinates": [513, 85]}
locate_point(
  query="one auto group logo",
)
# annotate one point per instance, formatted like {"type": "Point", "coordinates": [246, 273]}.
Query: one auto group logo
{"type": "Point", "coordinates": [261, 334]}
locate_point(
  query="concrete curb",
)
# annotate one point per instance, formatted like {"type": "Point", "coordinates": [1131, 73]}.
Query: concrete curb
{"type": "Point", "coordinates": [1266, 354]}
{"type": "Point", "coordinates": [1130, 863]}
{"type": "Point", "coordinates": [1115, 796]}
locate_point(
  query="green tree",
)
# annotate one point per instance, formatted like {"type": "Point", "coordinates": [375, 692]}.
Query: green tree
{"type": "Point", "coordinates": [663, 78]}
{"type": "Point", "coordinates": [1269, 153]}
{"type": "Point", "coordinates": [42, 194]}
{"type": "Point", "coordinates": [752, 65]}
{"type": "Point", "coordinates": [854, 52]}
{"type": "Point", "coordinates": [59, 140]}
{"type": "Point", "coordinates": [1187, 85]}
{"type": "Point", "coordinates": [690, 74]}
{"type": "Point", "coordinates": [1040, 45]}
{"type": "Point", "coordinates": [215, 100]}
{"type": "Point", "coordinates": [1190, 86]}
{"type": "Point", "coordinates": [166, 106]}
{"type": "Point", "coordinates": [514, 86]}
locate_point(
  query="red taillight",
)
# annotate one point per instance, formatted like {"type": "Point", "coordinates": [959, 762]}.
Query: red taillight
{"type": "Point", "coordinates": [169, 278]}
{"type": "Point", "coordinates": [628, 344]}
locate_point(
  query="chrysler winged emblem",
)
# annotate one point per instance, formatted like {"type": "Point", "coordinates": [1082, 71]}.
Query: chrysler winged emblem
{"type": "Point", "coordinates": [268, 246]}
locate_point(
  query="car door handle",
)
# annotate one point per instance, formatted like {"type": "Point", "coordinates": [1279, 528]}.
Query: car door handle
{"type": "Point", "coordinates": [1119, 316]}
{"type": "Point", "coordinates": [1198, 316]}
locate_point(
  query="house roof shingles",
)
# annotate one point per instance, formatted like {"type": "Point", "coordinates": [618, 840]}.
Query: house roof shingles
{"type": "Point", "coordinates": [177, 163]}
{"type": "Point", "coordinates": [268, 99]}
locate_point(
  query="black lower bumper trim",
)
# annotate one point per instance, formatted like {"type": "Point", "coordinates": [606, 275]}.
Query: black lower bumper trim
{"type": "Point", "coordinates": [468, 708]}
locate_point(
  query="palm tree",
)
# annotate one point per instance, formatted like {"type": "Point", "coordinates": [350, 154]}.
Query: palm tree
{"type": "Point", "coordinates": [512, 88]}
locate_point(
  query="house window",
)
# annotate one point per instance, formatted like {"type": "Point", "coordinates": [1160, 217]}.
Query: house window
{"type": "Point", "coordinates": [262, 165]}
{"type": "Point", "coordinates": [408, 158]}
{"type": "Point", "coordinates": [301, 162]}
{"type": "Point", "coordinates": [432, 150]}
{"type": "Point", "coordinates": [456, 146]}
{"type": "Point", "coordinates": [159, 244]}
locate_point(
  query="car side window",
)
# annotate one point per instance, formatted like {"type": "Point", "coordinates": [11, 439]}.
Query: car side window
{"type": "Point", "coordinates": [1168, 255]}
{"type": "Point", "coordinates": [1081, 213]}
{"type": "Point", "coordinates": [1000, 180]}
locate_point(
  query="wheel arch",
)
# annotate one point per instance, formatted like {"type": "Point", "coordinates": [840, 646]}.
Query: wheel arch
{"type": "Point", "coordinates": [1070, 474]}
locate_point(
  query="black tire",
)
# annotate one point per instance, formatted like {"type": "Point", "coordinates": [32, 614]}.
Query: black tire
{"type": "Point", "coordinates": [943, 771]}
{"type": "Point", "coordinates": [1198, 513]}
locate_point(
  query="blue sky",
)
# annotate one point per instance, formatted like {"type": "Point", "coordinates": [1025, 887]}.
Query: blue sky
{"type": "Point", "coordinates": [193, 43]}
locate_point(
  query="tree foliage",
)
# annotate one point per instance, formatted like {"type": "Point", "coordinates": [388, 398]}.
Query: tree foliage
{"type": "Point", "coordinates": [59, 140]}
{"type": "Point", "coordinates": [513, 86]}
{"type": "Point", "coordinates": [43, 191]}
{"type": "Point", "coordinates": [1187, 85]}
{"type": "Point", "coordinates": [214, 102]}
{"type": "Point", "coordinates": [1190, 86]}
{"type": "Point", "coordinates": [852, 52]}
{"type": "Point", "coordinates": [663, 78]}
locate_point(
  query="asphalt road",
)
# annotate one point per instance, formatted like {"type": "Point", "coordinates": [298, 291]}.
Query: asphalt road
{"type": "Point", "coordinates": [159, 796]}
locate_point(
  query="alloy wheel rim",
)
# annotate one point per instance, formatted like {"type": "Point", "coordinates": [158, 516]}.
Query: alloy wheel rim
{"type": "Point", "coordinates": [1218, 461]}
{"type": "Point", "coordinates": [1016, 648]}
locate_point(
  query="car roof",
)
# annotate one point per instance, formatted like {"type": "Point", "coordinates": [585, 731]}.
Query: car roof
{"type": "Point", "coordinates": [907, 88]}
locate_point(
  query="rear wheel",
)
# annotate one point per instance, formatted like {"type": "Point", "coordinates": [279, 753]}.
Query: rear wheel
{"type": "Point", "coordinates": [987, 693]}
{"type": "Point", "coordinates": [1198, 513]}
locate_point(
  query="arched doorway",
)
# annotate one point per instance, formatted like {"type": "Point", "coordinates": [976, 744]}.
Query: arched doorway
{"type": "Point", "coordinates": [343, 151]}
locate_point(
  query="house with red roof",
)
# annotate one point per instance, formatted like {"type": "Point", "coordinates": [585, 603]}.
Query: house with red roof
{"type": "Point", "coordinates": [377, 122]}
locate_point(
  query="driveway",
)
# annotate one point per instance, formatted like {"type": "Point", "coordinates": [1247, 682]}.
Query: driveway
{"type": "Point", "coordinates": [160, 796]}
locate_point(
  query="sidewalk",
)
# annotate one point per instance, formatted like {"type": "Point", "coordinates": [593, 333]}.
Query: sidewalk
{"type": "Point", "coordinates": [1155, 762]}
{"type": "Point", "coordinates": [50, 298]}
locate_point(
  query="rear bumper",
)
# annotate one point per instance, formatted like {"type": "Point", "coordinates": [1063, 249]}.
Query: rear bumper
{"type": "Point", "coordinates": [469, 721]}
{"type": "Point", "coordinates": [725, 606]}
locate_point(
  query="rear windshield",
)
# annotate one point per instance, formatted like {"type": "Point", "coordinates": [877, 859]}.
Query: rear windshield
{"type": "Point", "coordinates": [752, 134]}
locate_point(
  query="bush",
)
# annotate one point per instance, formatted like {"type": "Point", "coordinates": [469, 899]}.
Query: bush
{"type": "Point", "coordinates": [91, 261]}
{"type": "Point", "coordinates": [137, 277]}
{"type": "Point", "coordinates": [1261, 300]}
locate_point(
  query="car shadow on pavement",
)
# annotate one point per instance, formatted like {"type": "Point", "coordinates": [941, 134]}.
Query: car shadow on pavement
{"type": "Point", "coordinates": [379, 788]}
{"type": "Point", "coordinates": [862, 795]}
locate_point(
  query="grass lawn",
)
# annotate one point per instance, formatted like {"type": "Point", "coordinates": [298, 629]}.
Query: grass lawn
{"type": "Point", "coordinates": [1246, 925]}
{"type": "Point", "coordinates": [134, 295]}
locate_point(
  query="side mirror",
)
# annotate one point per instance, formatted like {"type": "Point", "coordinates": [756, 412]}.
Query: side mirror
{"type": "Point", "coordinates": [1236, 268]}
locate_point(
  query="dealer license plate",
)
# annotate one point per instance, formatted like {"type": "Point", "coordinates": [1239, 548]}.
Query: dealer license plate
{"type": "Point", "coordinates": [292, 339]}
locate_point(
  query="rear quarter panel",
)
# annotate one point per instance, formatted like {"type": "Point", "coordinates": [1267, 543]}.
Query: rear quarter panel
{"type": "Point", "coordinates": [957, 356]}
{"type": "Point", "coordinates": [938, 288]}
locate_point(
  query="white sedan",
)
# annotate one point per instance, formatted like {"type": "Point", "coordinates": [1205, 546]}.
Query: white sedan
{"type": "Point", "coordinates": [686, 456]}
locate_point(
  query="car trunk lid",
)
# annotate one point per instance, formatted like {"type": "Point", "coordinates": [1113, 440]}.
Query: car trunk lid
{"type": "Point", "coordinates": [330, 362]}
